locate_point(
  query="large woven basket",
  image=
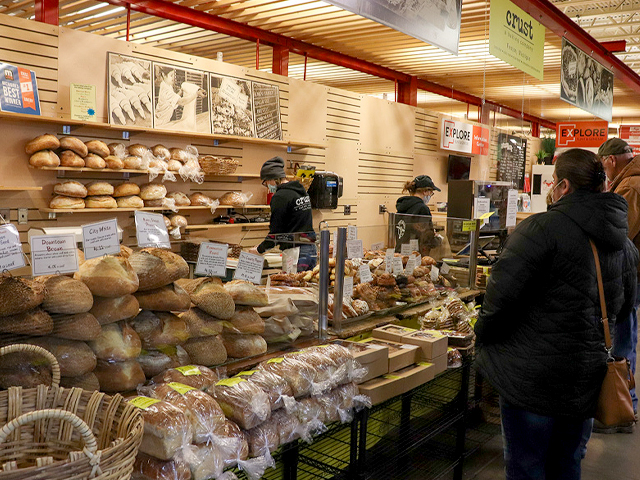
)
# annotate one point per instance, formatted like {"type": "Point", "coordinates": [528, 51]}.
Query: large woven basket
{"type": "Point", "coordinates": [218, 166]}
{"type": "Point", "coordinates": [52, 433]}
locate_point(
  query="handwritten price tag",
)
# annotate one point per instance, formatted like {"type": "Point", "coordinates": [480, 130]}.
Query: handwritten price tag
{"type": "Point", "coordinates": [365, 274]}
{"type": "Point", "coordinates": [352, 232]}
{"type": "Point", "coordinates": [406, 249]}
{"type": "Point", "coordinates": [11, 256]}
{"type": "Point", "coordinates": [435, 273]}
{"type": "Point", "coordinates": [100, 238]}
{"type": "Point", "coordinates": [397, 266]}
{"type": "Point", "coordinates": [411, 266]}
{"type": "Point", "coordinates": [52, 254]}
{"type": "Point", "coordinates": [151, 230]}
{"type": "Point", "coordinates": [354, 249]}
{"type": "Point", "coordinates": [377, 246]}
{"type": "Point", "coordinates": [347, 290]}
{"type": "Point", "coordinates": [212, 259]}
{"type": "Point", "coordinates": [249, 267]}
{"type": "Point", "coordinates": [388, 260]}
{"type": "Point", "coordinates": [414, 245]}
{"type": "Point", "coordinates": [290, 258]}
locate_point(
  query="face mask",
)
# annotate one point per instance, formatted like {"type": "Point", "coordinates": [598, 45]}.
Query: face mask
{"type": "Point", "coordinates": [427, 198]}
{"type": "Point", "coordinates": [550, 194]}
{"type": "Point", "coordinates": [272, 188]}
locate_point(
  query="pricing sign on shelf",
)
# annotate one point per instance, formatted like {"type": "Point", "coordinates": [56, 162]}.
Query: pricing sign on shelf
{"type": "Point", "coordinates": [52, 254]}
{"type": "Point", "coordinates": [212, 259]}
{"type": "Point", "coordinates": [435, 273]}
{"type": "Point", "coordinates": [354, 249]}
{"type": "Point", "coordinates": [347, 289]}
{"type": "Point", "coordinates": [365, 274]}
{"type": "Point", "coordinates": [411, 265]}
{"type": "Point", "coordinates": [397, 266]}
{"type": "Point", "coordinates": [249, 267]}
{"type": "Point", "coordinates": [388, 260]}
{"type": "Point", "coordinates": [414, 245]}
{"type": "Point", "coordinates": [290, 258]}
{"type": "Point", "coordinates": [100, 238]}
{"type": "Point", "coordinates": [377, 246]}
{"type": "Point", "coordinates": [11, 256]}
{"type": "Point", "coordinates": [445, 268]}
{"type": "Point", "coordinates": [405, 249]}
{"type": "Point", "coordinates": [352, 232]}
{"type": "Point", "coordinates": [151, 230]}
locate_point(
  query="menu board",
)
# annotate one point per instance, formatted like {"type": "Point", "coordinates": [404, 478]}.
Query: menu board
{"type": "Point", "coordinates": [266, 109]}
{"type": "Point", "coordinates": [512, 159]}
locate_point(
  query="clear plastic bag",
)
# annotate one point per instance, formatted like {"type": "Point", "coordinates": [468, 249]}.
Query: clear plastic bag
{"type": "Point", "coordinates": [197, 376]}
{"type": "Point", "coordinates": [454, 358]}
{"type": "Point", "coordinates": [273, 385]}
{"type": "Point", "coordinates": [288, 426]}
{"type": "Point", "coordinates": [263, 439]}
{"type": "Point", "coordinates": [147, 467]}
{"type": "Point", "coordinates": [120, 151]}
{"type": "Point", "coordinates": [311, 414]}
{"type": "Point", "coordinates": [242, 401]}
{"type": "Point", "coordinates": [298, 374]}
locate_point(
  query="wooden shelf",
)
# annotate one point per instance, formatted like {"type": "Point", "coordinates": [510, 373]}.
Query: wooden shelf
{"type": "Point", "coordinates": [20, 189]}
{"type": "Point", "coordinates": [215, 226]}
{"type": "Point", "coordinates": [148, 209]}
{"type": "Point", "coordinates": [155, 131]}
{"type": "Point", "coordinates": [128, 170]}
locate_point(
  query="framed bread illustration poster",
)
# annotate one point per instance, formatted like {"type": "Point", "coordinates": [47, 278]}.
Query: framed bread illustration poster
{"type": "Point", "coordinates": [129, 90]}
{"type": "Point", "coordinates": [180, 99]}
{"type": "Point", "coordinates": [266, 110]}
{"type": "Point", "coordinates": [231, 106]}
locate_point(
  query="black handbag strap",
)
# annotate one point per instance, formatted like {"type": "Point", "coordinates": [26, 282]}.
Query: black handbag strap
{"type": "Point", "coordinates": [603, 305]}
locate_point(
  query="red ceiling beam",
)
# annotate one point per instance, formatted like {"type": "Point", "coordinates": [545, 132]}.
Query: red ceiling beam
{"type": "Point", "coordinates": [280, 61]}
{"type": "Point", "coordinates": [615, 46]}
{"type": "Point", "coordinates": [408, 92]}
{"type": "Point", "coordinates": [47, 11]}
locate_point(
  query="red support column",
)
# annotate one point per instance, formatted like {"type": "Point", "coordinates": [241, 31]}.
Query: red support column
{"type": "Point", "coordinates": [408, 92]}
{"type": "Point", "coordinates": [47, 11]}
{"type": "Point", "coordinates": [535, 129]}
{"type": "Point", "coordinates": [280, 62]}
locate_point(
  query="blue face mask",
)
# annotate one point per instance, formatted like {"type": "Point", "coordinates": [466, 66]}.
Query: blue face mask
{"type": "Point", "coordinates": [272, 188]}
{"type": "Point", "coordinates": [427, 198]}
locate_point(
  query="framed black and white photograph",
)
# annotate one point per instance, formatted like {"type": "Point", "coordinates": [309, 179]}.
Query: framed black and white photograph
{"type": "Point", "coordinates": [231, 106]}
{"type": "Point", "coordinates": [129, 90]}
{"type": "Point", "coordinates": [266, 110]}
{"type": "Point", "coordinates": [180, 100]}
{"type": "Point", "coordinates": [585, 83]}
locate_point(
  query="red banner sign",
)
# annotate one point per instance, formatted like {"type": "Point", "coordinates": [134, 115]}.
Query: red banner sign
{"type": "Point", "coordinates": [581, 134]}
{"type": "Point", "coordinates": [631, 135]}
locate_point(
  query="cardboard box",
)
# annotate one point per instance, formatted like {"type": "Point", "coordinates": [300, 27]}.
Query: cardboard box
{"type": "Point", "coordinates": [431, 342]}
{"type": "Point", "coordinates": [400, 354]}
{"type": "Point", "coordinates": [394, 333]}
{"type": "Point", "coordinates": [375, 358]}
{"type": "Point", "coordinates": [416, 375]}
{"type": "Point", "coordinates": [383, 388]}
{"type": "Point", "coordinates": [440, 363]}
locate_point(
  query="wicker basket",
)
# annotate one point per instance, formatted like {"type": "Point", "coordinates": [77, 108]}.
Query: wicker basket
{"type": "Point", "coordinates": [52, 433]}
{"type": "Point", "coordinates": [218, 166]}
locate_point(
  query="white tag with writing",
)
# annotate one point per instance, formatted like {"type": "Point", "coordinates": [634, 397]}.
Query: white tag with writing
{"type": "Point", "coordinates": [388, 260]}
{"type": "Point", "coordinates": [406, 249]}
{"type": "Point", "coordinates": [377, 246]}
{"type": "Point", "coordinates": [435, 273]}
{"type": "Point", "coordinates": [365, 274]}
{"type": "Point", "coordinates": [411, 266]}
{"type": "Point", "coordinates": [347, 289]}
{"type": "Point", "coordinates": [354, 249]}
{"type": "Point", "coordinates": [212, 259]}
{"type": "Point", "coordinates": [290, 258]}
{"type": "Point", "coordinates": [397, 266]}
{"type": "Point", "coordinates": [445, 268]}
{"type": "Point", "coordinates": [249, 267]}
{"type": "Point", "coordinates": [414, 245]}
{"type": "Point", "coordinates": [52, 254]}
{"type": "Point", "coordinates": [151, 230]}
{"type": "Point", "coordinates": [100, 238]}
{"type": "Point", "coordinates": [11, 256]}
{"type": "Point", "coordinates": [352, 232]}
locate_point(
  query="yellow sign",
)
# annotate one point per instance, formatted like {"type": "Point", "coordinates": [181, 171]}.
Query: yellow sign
{"type": "Point", "coordinates": [143, 402]}
{"type": "Point", "coordinates": [486, 215]}
{"type": "Point", "coordinates": [181, 388]}
{"type": "Point", "coordinates": [516, 38]}
{"type": "Point", "coordinates": [468, 226]}
{"type": "Point", "coordinates": [83, 102]}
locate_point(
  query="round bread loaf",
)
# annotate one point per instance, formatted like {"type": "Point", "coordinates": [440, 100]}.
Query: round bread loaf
{"type": "Point", "coordinates": [95, 161]}
{"type": "Point", "coordinates": [246, 293]}
{"type": "Point", "coordinates": [170, 298]}
{"type": "Point", "coordinates": [161, 202]}
{"type": "Point", "coordinates": [44, 158]}
{"type": "Point", "coordinates": [173, 165]}
{"type": "Point", "coordinates": [17, 295]}
{"type": "Point", "coordinates": [125, 252]}
{"type": "Point", "coordinates": [108, 276]}
{"type": "Point", "coordinates": [241, 346]}
{"type": "Point", "coordinates": [81, 326]}
{"type": "Point", "coordinates": [119, 376]}
{"type": "Point", "coordinates": [22, 369]}
{"type": "Point", "coordinates": [178, 221]}
{"type": "Point", "coordinates": [99, 188]}
{"type": "Point", "coordinates": [153, 191]}
{"type": "Point", "coordinates": [126, 189]}
{"type": "Point", "coordinates": [117, 149]}
{"type": "Point", "coordinates": [160, 165]}
{"type": "Point", "coordinates": [138, 150]}
{"type": "Point", "coordinates": [157, 267]}
{"type": "Point", "coordinates": [179, 154]}
{"type": "Point", "coordinates": [161, 152]}
{"type": "Point", "coordinates": [75, 144]}
{"type": "Point", "coordinates": [65, 294]}
{"type": "Point", "coordinates": [116, 342]}
{"type": "Point", "coordinates": [167, 222]}
{"type": "Point", "coordinates": [244, 320]}
{"type": "Point", "coordinates": [62, 201]}
{"type": "Point", "coordinates": [98, 147]}
{"type": "Point", "coordinates": [110, 310]}
{"type": "Point", "coordinates": [155, 362]}
{"type": "Point", "coordinates": [75, 357]}
{"type": "Point", "coordinates": [209, 295]}
{"type": "Point", "coordinates": [200, 323]}
{"type": "Point", "coordinates": [69, 158]}
{"type": "Point", "coordinates": [113, 162]}
{"type": "Point", "coordinates": [101, 201]}
{"type": "Point", "coordinates": [200, 199]}
{"type": "Point", "coordinates": [159, 329]}
{"type": "Point", "coordinates": [42, 142]}
{"type": "Point", "coordinates": [70, 188]}
{"type": "Point", "coordinates": [86, 382]}
{"type": "Point", "coordinates": [206, 350]}
{"type": "Point", "coordinates": [31, 322]}
{"type": "Point", "coordinates": [132, 201]}
{"type": "Point", "coordinates": [133, 162]}
{"type": "Point", "coordinates": [235, 199]}
{"type": "Point", "coordinates": [180, 198]}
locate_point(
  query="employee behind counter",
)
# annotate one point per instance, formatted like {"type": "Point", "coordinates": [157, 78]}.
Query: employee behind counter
{"type": "Point", "coordinates": [291, 222]}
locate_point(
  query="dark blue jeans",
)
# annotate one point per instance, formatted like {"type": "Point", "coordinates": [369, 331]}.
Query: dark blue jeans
{"type": "Point", "coordinates": [308, 257]}
{"type": "Point", "coordinates": [625, 338]}
{"type": "Point", "coordinates": [537, 447]}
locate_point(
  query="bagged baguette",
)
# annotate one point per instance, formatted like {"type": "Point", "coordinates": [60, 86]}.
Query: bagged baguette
{"type": "Point", "coordinates": [243, 402]}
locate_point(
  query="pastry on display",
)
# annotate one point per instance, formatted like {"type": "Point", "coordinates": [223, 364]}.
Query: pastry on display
{"type": "Point", "coordinates": [179, 154]}
{"type": "Point", "coordinates": [173, 165]}
{"type": "Point", "coordinates": [75, 144]}
{"type": "Point", "coordinates": [178, 221]}
{"type": "Point", "coordinates": [244, 320]}
{"type": "Point", "coordinates": [242, 401]}
{"type": "Point", "coordinates": [70, 188]}
{"type": "Point", "coordinates": [243, 345]}
{"type": "Point", "coordinates": [69, 158]}
{"type": "Point", "coordinates": [44, 158]}
{"type": "Point", "coordinates": [196, 376]}
{"type": "Point", "coordinates": [42, 142]}
{"type": "Point", "coordinates": [89, 382]}
{"type": "Point", "coordinates": [74, 356]}
{"type": "Point", "coordinates": [98, 147]}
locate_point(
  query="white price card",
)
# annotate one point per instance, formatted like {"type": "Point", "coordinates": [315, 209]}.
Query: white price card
{"type": "Point", "coordinates": [418, 259]}
{"type": "Point", "coordinates": [212, 259]}
{"type": "Point", "coordinates": [414, 245]}
{"type": "Point", "coordinates": [11, 256]}
{"type": "Point", "coordinates": [377, 246]}
{"type": "Point", "coordinates": [52, 254]}
{"type": "Point", "coordinates": [435, 273]}
{"type": "Point", "coordinates": [397, 266]}
{"type": "Point", "coordinates": [405, 249]}
{"type": "Point", "coordinates": [354, 249]}
{"type": "Point", "coordinates": [290, 258]}
{"type": "Point", "coordinates": [445, 268]}
{"type": "Point", "coordinates": [365, 274]}
{"type": "Point", "coordinates": [352, 232]}
{"type": "Point", "coordinates": [388, 260]}
{"type": "Point", "coordinates": [512, 207]}
{"type": "Point", "coordinates": [151, 230]}
{"type": "Point", "coordinates": [249, 267]}
{"type": "Point", "coordinates": [411, 265]}
{"type": "Point", "coordinates": [347, 289]}
{"type": "Point", "coordinates": [100, 238]}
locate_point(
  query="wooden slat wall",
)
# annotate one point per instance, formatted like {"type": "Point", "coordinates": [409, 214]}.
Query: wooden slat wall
{"type": "Point", "coordinates": [426, 126]}
{"type": "Point", "coordinates": [343, 116]}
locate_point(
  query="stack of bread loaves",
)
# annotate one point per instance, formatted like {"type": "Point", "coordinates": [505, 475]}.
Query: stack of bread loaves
{"type": "Point", "coordinates": [97, 194]}
{"type": "Point", "coordinates": [72, 152]}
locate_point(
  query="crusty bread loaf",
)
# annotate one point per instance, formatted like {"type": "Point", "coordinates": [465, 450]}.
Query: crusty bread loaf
{"type": "Point", "coordinates": [69, 158]}
{"type": "Point", "coordinates": [44, 158]}
{"type": "Point", "coordinates": [98, 147]}
{"type": "Point", "coordinates": [200, 199]}
{"type": "Point", "coordinates": [147, 467]}
{"type": "Point", "coordinates": [235, 199]}
{"type": "Point", "coordinates": [154, 362]}
{"type": "Point", "coordinates": [209, 295]}
{"type": "Point", "coordinates": [173, 165]}
{"type": "Point", "coordinates": [153, 191]}
{"type": "Point", "coordinates": [78, 326]}
{"type": "Point", "coordinates": [244, 320]}
{"type": "Point", "coordinates": [95, 161]}
{"type": "Point", "coordinates": [110, 310]}
{"type": "Point", "coordinates": [125, 252]}
{"type": "Point", "coordinates": [62, 201]}
{"type": "Point", "coordinates": [119, 376]}
{"type": "Point", "coordinates": [116, 342]}
{"type": "Point", "coordinates": [70, 188]}
{"type": "Point", "coordinates": [113, 162]}
{"type": "Point", "coordinates": [18, 295]}
{"type": "Point", "coordinates": [159, 329]}
{"type": "Point", "coordinates": [243, 402]}
{"type": "Point", "coordinates": [31, 322]}
{"type": "Point", "coordinates": [196, 376]}
{"type": "Point", "coordinates": [109, 276]}
{"type": "Point", "coordinates": [26, 370]}
{"type": "Point", "coordinates": [156, 267]}
{"type": "Point", "coordinates": [159, 202]}
{"type": "Point", "coordinates": [133, 163]}
{"type": "Point", "coordinates": [126, 189]}
{"type": "Point", "coordinates": [138, 149]}
{"type": "Point", "coordinates": [179, 154]}
{"type": "Point", "coordinates": [75, 144]}
{"type": "Point", "coordinates": [206, 350]}
{"type": "Point", "coordinates": [86, 382]}
{"type": "Point", "coordinates": [241, 346]}
{"type": "Point", "coordinates": [170, 298]}
{"type": "Point", "coordinates": [64, 294]}
{"type": "Point", "coordinates": [132, 201]}
{"type": "Point", "coordinates": [42, 142]}
{"type": "Point", "coordinates": [161, 152]}
{"type": "Point", "coordinates": [246, 293]}
{"type": "Point", "coordinates": [99, 188]}
{"type": "Point", "coordinates": [167, 222]}
{"type": "Point", "coordinates": [200, 323]}
{"type": "Point", "coordinates": [178, 221]}
{"type": "Point", "coordinates": [180, 198]}
{"type": "Point", "coordinates": [117, 149]}
{"type": "Point", "coordinates": [100, 201]}
{"type": "Point", "coordinates": [74, 356]}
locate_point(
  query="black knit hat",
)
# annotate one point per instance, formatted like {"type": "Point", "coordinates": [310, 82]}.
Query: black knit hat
{"type": "Point", "coordinates": [424, 181]}
{"type": "Point", "coordinates": [273, 169]}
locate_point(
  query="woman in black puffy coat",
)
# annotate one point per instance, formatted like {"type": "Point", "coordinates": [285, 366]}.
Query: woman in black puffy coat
{"type": "Point", "coordinates": [540, 340]}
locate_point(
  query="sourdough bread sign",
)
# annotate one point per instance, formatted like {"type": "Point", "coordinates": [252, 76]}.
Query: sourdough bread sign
{"type": "Point", "coordinates": [581, 134]}
{"type": "Point", "coordinates": [464, 137]}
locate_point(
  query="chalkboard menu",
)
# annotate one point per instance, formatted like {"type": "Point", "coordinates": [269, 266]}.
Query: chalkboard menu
{"type": "Point", "coordinates": [512, 159]}
{"type": "Point", "coordinates": [266, 110]}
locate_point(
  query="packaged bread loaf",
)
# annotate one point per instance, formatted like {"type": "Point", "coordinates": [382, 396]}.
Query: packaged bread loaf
{"type": "Point", "coordinates": [263, 439]}
{"type": "Point", "coordinates": [174, 165]}
{"type": "Point", "coordinates": [157, 267]}
{"type": "Point", "coordinates": [244, 320]}
{"type": "Point", "coordinates": [208, 294]}
{"type": "Point", "coordinates": [200, 323]}
{"type": "Point", "coordinates": [242, 401]}
{"type": "Point", "coordinates": [161, 152]}
{"type": "Point", "coordinates": [99, 188]}
{"type": "Point", "coordinates": [132, 162]}
{"type": "Point", "coordinates": [246, 293]}
{"type": "Point", "coordinates": [273, 385]}
{"type": "Point", "coordinates": [196, 376]}
{"type": "Point", "coordinates": [180, 198]}
{"type": "Point", "coordinates": [200, 199]}
{"type": "Point", "coordinates": [44, 158]}
{"type": "Point", "coordinates": [24, 369]}
{"type": "Point", "coordinates": [109, 310]}
{"type": "Point", "coordinates": [155, 362]}
{"type": "Point", "coordinates": [116, 342]}
{"type": "Point", "coordinates": [62, 201]}
{"type": "Point", "coordinates": [119, 376]}
{"type": "Point", "coordinates": [166, 428]}
{"type": "Point", "coordinates": [126, 189]}
{"type": "Point", "coordinates": [42, 142]}
{"type": "Point", "coordinates": [170, 298]}
{"type": "Point", "coordinates": [108, 276]}
{"type": "Point", "coordinates": [77, 326]}
{"type": "Point", "coordinates": [138, 149]}
{"type": "Point", "coordinates": [18, 295]}
{"type": "Point", "coordinates": [95, 161]}
{"type": "Point", "coordinates": [69, 158]}
{"type": "Point", "coordinates": [88, 382]}
{"type": "Point", "coordinates": [100, 201]}
{"type": "Point", "coordinates": [97, 147]}
{"type": "Point", "coordinates": [118, 149]}
{"type": "Point", "coordinates": [235, 199]}
{"type": "Point", "coordinates": [298, 374]}
{"type": "Point", "coordinates": [147, 467]}
{"type": "Point", "coordinates": [132, 201]}
{"type": "Point", "coordinates": [64, 294]}
{"type": "Point", "coordinates": [288, 426]}
{"type": "Point", "coordinates": [243, 345]}
{"type": "Point", "coordinates": [113, 162]}
{"type": "Point", "coordinates": [206, 350]}
{"type": "Point", "coordinates": [310, 412]}
{"type": "Point", "coordinates": [75, 357]}
{"type": "Point", "coordinates": [70, 188]}
{"type": "Point", "coordinates": [159, 329]}
{"type": "Point", "coordinates": [153, 191]}
{"type": "Point", "coordinates": [178, 221]}
{"type": "Point", "coordinates": [323, 366]}
{"type": "Point", "coordinates": [179, 154]}
{"type": "Point", "coordinates": [32, 322]}
{"type": "Point", "coordinates": [75, 144]}
{"type": "Point", "coordinates": [349, 369]}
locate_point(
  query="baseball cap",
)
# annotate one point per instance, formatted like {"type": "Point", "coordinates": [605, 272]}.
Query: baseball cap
{"type": "Point", "coordinates": [614, 146]}
{"type": "Point", "coordinates": [424, 181]}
